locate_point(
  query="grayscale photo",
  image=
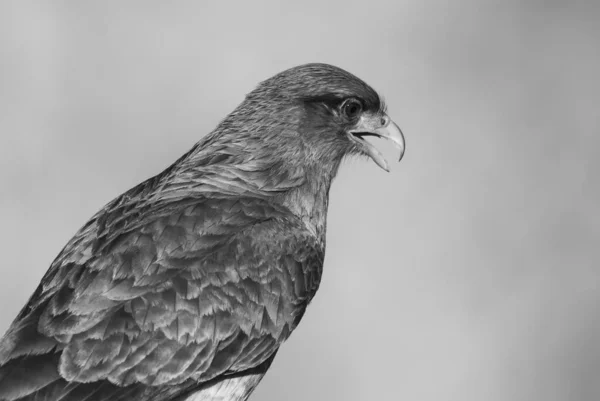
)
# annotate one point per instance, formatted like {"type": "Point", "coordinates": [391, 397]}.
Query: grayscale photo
{"type": "Point", "coordinates": [265, 200]}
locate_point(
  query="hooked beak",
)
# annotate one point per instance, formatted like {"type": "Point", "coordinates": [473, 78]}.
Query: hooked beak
{"type": "Point", "coordinates": [381, 127]}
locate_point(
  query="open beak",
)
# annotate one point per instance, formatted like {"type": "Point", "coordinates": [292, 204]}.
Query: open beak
{"type": "Point", "coordinates": [381, 127]}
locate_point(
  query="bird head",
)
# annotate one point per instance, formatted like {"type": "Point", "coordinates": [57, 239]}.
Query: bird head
{"type": "Point", "coordinates": [334, 111]}
{"type": "Point", "coordinates": [309, 115]}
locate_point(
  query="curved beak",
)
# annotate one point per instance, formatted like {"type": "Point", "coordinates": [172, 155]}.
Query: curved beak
{"type": "Point", "coordinates": [381, 127]}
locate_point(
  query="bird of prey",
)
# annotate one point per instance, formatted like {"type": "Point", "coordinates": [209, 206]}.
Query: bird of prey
{"type": "Point", "coordinates": [184, 287]}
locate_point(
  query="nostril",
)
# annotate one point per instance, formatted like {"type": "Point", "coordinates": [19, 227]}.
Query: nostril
{"type": "Point", "coordinates": [384, 121]}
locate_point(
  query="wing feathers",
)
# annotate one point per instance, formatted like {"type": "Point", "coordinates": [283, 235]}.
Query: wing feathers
{"type": "Point", "coordinates": [190, 295]}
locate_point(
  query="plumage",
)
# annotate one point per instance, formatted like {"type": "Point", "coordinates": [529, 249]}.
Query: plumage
{"type": "Point", "coordinates": [185, 286]}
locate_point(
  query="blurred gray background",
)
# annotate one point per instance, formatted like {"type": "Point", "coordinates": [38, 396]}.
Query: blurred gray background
{"type": "Point", "coordinates": [469, 272]}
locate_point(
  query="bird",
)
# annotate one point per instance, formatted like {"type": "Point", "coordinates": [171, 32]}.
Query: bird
{"type": "Point", "coordinates": [185, 286]}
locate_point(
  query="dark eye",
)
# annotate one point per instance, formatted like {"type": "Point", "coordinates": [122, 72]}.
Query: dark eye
{"type": "Point", "coordinates": [351, 108]}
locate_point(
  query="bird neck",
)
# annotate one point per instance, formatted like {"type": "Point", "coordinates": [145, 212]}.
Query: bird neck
{"type": "Point", "coordinates": [309, 201]}
{"type": "Point", "coordinates": [301, 188]}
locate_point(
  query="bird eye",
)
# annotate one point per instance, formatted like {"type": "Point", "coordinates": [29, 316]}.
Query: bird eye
{"type": "Point", "coordinates": [351, 108]}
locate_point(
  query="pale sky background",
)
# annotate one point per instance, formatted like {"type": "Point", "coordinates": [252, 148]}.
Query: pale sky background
{"type": "Point", "coordinates": [468, 273]}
